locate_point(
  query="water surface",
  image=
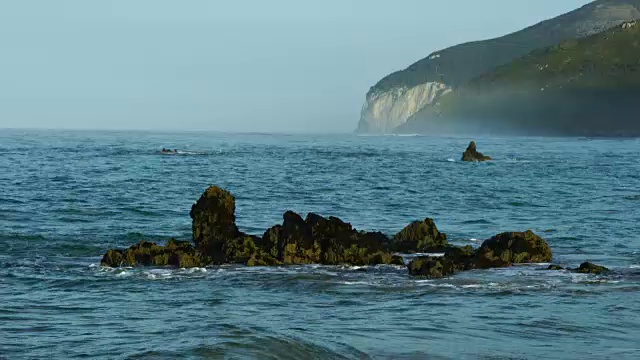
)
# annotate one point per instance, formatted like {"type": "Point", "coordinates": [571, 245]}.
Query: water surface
{"type": "Point", "coordinates": [66, 197]}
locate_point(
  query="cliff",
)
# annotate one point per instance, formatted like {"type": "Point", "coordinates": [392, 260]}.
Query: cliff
{"type": "Point", "coordinates": [400, 95]}
{"type": "Point", "coordinates": [583, 87]}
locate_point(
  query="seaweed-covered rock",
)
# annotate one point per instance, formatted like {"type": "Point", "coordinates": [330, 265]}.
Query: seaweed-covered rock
{"type": "Point", "coordinates": [462, 258]}
{"type": "Point", "coordinates": [420, 236]}
{"type": "Point", "coordinates": [175, 253]}
{"type": "Point", "coordinates": [214, 223]}
{"type": "Point", "coordinates": [590, 268]}
{"type": "Point", "coordinates": [113, 258]}
{"type": "Point", "coordinates": [471, 154]}
{"type": "Point", "coordinates": [512, 248]}
{"type": "Point", "coordinates": [431, 267]}
{"type": "Point", "coordinates": [329, 241]}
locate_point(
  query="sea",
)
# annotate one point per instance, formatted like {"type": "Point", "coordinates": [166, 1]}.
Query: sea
{"type": "Point", "coordinates": [68, 196]}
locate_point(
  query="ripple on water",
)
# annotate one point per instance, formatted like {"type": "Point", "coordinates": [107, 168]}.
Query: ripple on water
{"type": "Point", "coordinates": [62, 209]}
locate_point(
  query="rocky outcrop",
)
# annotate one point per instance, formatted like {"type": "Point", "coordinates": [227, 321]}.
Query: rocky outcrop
{"type": "Point", "coordinates": [174, 253]}
{"type": "Point", "coordinates": [511, 248]}
{"type": "Point", "coordinates": [472, 155]}
{"type": "Point", "coordinates": [420, 236]}
{"type": "Point", "coordinates": [314, 240]}
{"type": "Point", "coordinates": [502, 250]}
{"type": "Point", "coordinates": [329, 241]}
{"type": "Point", "coordinates": [214, 224]}
{"type": "Point", "coordinates": [394, 99]}
{"type": "Point", "coordinates": [384, 112]}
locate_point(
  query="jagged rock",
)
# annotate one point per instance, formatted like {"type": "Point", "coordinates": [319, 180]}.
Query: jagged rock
{"type": "Point", "coordinates": [320, 240]}
{"type": "Point", "coordinates": [589, 268]}
{"type": "Point", "coordinates": [471, 154]}
{"type": "Point", "coordinates": [420, 236]}
{"type": "Point", "coordinates": [175, 253]}
{"type": "Point", "coordinates": [214, 223]}
{"type": "Point", "coordinates": [512, 248]}
{"type": "Point", "coordinates": [330, 241]}
{"type": "Point", "coordinates": [431, 267]}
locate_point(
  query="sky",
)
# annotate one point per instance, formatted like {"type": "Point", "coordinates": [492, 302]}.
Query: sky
{"type": "Point", "coordinates": [234, 66]}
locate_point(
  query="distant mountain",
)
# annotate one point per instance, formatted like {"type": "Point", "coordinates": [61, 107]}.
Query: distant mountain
{"type": "Point", "coordinates": [588, 86]}
{"type": "Point", "coordinates": [400, 95]}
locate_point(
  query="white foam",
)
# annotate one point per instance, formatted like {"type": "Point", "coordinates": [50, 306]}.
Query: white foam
{"type": "Point", "coordinates": [356, 283]}
{"type": "Point", "coordinates": [183, 152]}
{"type": "Point", "coordinates": [634, 266]}
{"type": "Point", "coordinates": [445, 285]}
{"type": "Point", "coordinates": [429, 254]}
{"type": "Point", "coordinates": [451, 160]}
{"type": "Point", "coordinates": [471, 286]}
{"type": "Point", "coordinates": [123, 274]}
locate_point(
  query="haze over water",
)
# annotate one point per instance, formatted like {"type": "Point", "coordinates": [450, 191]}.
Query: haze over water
{"type": "Point", "coordinates": [66, 197]}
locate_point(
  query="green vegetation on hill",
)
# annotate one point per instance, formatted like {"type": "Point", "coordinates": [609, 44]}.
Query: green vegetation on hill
{"type": "Point", "coordinates": [588, 86]}
{"type": "Point", "coordinates": [457, 65]}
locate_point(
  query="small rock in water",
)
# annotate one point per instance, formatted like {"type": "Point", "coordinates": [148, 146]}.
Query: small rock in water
{"type": "Point", "coordinates": [589, 268]}
{"type": "Point", "coordinates": [471, 154]}
{"type": "Point", "coordinates": [555, 267]}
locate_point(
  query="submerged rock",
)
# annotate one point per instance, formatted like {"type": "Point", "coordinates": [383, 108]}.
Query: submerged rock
{"type": "Point", "coordinates": [455, 259]}
{"type": "Point", "coordinates": [510, 248]}
{"type": "Point", "coordinates": [584, 268]}
{"type": "Point", "coordinates": [431, 267]}
{"type": "Point", "coordinates": [555, 267]}
{"type": "Point", "coordinates": [175, 253]}
{"type": "Point", "coordinates": [589, 268]}
{"type": "Point", "coordinates": [420, 236]}
{"type": "Point", "coordinates": [471, 154]}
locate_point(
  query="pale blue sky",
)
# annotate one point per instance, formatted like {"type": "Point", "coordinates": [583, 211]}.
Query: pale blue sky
{"type": "Point", "coordinates": [277, 65]}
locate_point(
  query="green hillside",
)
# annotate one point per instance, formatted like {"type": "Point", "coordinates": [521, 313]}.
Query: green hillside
{"type": "Point", "coordinates": [457, 65]}
{"type": "Point", "coordinates": [589, 86]}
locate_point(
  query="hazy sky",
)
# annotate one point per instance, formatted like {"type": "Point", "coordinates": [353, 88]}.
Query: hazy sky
{"type": "Point", "coordinates": [234, 65]}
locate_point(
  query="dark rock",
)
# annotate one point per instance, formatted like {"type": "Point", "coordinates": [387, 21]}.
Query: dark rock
{"type": "Point", "coordinates": [555, 267]}
{"type": "Point", "coordinates": [589, 268]}
{"type": "Point", "coordinates": [471, 154]}
{"type": "Point", "coordinates": [512, 248]}
{"type": "Point", "coordinates": [320, 240]}
{"type": "Point", "coordinates": [175, 253]}
{"type": "Point", "coordinates": [462, 258]}
{"type": "Point", "coordinates": [420, 236]}
{"type": "Point", "coordinates": [431, 267]}
{"type": "Point", "coordinates": [213, 223]}
{"type": "Point", "coordinates": [113, 258]}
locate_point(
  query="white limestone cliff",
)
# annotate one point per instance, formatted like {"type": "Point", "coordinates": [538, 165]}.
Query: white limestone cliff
{"type": "Point", "coordinates": [383, 112]}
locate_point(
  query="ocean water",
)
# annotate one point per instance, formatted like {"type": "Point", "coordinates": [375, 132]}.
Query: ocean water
{"type": "Point", "coordinates": [66, 197]}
